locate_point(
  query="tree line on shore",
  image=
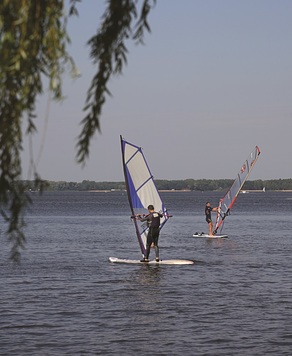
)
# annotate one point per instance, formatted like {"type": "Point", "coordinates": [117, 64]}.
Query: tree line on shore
{"type": "Point", "coordinates": [162, 184]}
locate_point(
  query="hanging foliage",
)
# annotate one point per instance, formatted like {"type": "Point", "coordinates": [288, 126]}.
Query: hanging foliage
{"type": "Point", "coordinates": [33, 51]}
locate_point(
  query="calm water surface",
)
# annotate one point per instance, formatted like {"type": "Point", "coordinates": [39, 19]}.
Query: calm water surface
{"type": "Point", "coordinates": [67, 299]}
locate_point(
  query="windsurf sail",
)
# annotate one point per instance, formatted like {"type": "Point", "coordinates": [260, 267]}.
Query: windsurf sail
{"type": "Point", "coordinates": [228, 200]}
{"type": "Point", "coordinates": [141, 189]}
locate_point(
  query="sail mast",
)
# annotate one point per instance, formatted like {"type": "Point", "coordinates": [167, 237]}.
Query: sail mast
{"type": "Point", "coordinates": [142, 245]}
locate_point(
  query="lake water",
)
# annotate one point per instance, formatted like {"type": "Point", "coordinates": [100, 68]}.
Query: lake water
{"type": "Point", "coordinates": [67, 299]}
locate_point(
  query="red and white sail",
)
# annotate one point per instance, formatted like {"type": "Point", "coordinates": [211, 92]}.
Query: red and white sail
{"type": "Point", "coordinates": [228, 200]}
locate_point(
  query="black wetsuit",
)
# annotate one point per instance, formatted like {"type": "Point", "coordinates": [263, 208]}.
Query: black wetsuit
{"type": "Point", "coordinates": [208, 210]}
{"type": "Point", "coordinates": [153, 222]}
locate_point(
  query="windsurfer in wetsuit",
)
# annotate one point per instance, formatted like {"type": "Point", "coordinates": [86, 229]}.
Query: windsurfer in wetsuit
{"type": "Point", "coordinates": [208, 211]}
{"type": "Point", "coordinates": [153, 222]}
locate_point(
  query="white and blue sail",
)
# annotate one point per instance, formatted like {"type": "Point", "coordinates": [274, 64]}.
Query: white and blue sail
{"type": "Point", "coordinates": [141, 189]}
{"type": "Point", "coordinates": [228, 200]}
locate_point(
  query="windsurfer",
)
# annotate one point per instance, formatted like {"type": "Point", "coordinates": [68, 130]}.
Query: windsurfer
{"type": "Point", "coordinates": [208, 211]}
{"type": "Point", "coordinates": [153, 222]}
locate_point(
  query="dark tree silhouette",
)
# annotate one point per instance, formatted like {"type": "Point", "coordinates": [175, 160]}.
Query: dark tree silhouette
{"type": "Point", "coordinates": [33, 50]}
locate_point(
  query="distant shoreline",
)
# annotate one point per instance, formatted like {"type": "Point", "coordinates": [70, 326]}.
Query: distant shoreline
{"type": "Point", "coordinates": [186, 190]}
{"type": "Point", "coordinates": [187, 185]}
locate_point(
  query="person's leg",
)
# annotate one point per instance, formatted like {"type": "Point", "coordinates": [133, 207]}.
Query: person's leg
{"type": "Point", "coordinates": [155, 240]}
{"type": "Point", "coordinates": [211, 228]}
{"type": "Point", "coordinates": [156, 252]}
{"type": "Point", "coordinates": [147, 251]}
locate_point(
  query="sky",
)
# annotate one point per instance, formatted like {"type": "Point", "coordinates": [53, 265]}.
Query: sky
{"type": "Point", "coordinates": [213, 80]}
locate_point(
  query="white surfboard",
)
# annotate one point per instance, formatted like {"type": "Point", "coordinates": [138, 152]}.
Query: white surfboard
{"type": "Point", "coordinates": [209, 236]}
{"type": "Point", "coordinates": [162, 262]}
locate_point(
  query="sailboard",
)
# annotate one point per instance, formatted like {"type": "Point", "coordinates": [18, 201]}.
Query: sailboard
{"type": "Point", "coordinates": [142, 191]}
{"type": "Point", "coordinates": [202, 234]}
{"type": "Point", "coordinates": [161, 262]}
{"type": "Point", "coordinates": [227, 202]}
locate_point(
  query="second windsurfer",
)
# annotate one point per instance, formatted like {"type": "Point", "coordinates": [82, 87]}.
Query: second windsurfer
{"type": "Point", "coordinates": [208, 211]}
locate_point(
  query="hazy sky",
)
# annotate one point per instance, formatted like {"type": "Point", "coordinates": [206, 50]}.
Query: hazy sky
{"type": "Point", "coordinates": [212, 81]}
